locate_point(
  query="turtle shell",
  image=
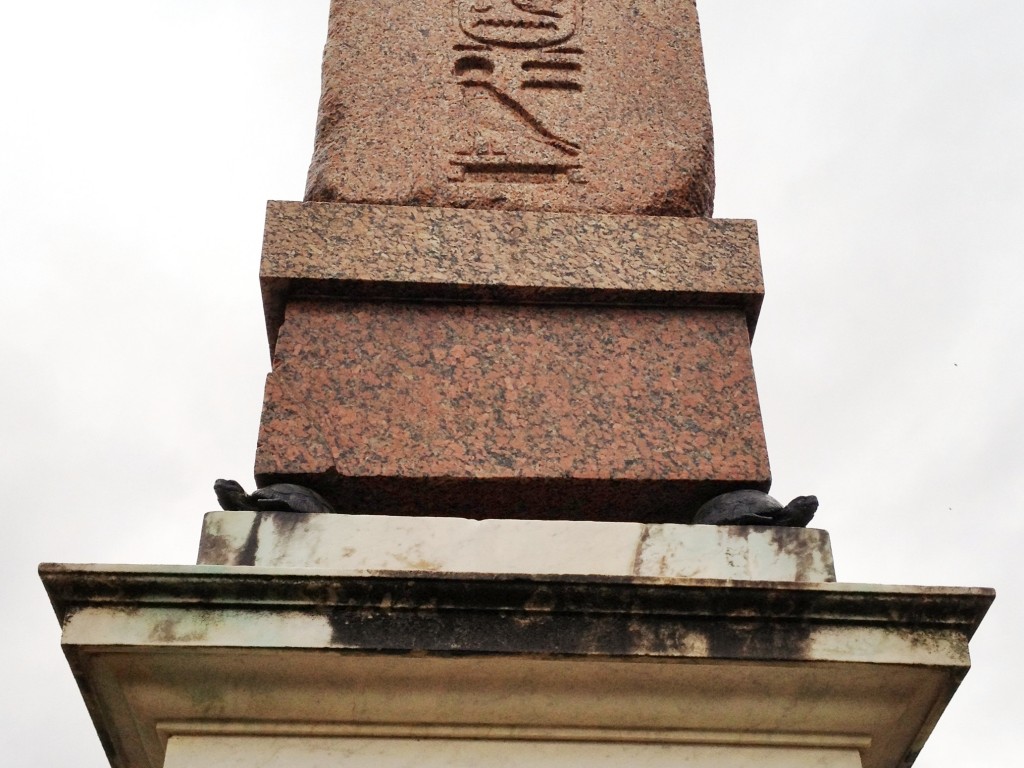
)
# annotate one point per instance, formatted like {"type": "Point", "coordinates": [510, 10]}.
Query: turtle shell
{"type": "Point", "coordinates": [286, 497]}
{"type": "Point", "coordinates": [746, 507]}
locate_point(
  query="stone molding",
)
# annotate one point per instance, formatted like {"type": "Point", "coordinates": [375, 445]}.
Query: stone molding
{"type": "Point", "coordinates": [162, 652]}
{"type": "Point", "coordinates": [556, 605]}
{"type": "Point", "coordinates": [402, 253]}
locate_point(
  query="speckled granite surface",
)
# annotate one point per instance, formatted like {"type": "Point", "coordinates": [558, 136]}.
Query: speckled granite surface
{"type": "Point", "coordinates": [494, 410]}
{"type": "Point", "coordinates": [406, 252]}
{"type": "Point", "coordinates": [503, 296]}
{"type": "Point", "coordinates": [573, 105]}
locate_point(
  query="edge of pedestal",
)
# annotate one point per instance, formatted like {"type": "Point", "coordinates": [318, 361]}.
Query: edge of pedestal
{"type": "Point", "coordinates": [160, 651]}
{"type": "Point", "coordinates": [371, 543]}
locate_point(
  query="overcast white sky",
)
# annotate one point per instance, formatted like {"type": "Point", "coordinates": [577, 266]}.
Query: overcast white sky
{"type": "Point", "coordinates": [879, 144]}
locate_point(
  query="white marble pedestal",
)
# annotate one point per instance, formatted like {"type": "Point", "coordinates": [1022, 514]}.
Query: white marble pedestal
{"type": "Point", "coordinates": [217, 666]}
{"type": "Point", "coordinates": [369, 543]}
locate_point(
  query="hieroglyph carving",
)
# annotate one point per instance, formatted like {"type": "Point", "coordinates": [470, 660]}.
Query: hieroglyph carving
{"type": "Point", "coordinates": [517, 69]}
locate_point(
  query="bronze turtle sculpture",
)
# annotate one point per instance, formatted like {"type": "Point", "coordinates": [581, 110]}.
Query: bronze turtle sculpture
{"type": "Point", "coordinates": [279, 497]}
{"type": "Point", "coordinates": [749, 507]}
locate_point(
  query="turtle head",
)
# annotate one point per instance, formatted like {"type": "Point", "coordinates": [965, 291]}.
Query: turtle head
{"type": "Point", "coordinates": [230, 495]}
{"type": "Point", "coordinates": [800, 510]}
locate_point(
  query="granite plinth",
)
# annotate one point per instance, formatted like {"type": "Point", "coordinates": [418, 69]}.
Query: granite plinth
{"type": "Point", "coordinates": [557, 106]}
{"type": "Point", "coordinates": [183, 662]}
{"type": "Point", "coordinates": [582, 412]}
{"type": "Point", "coordinates": [370, 543]}
{"type": "Point", "coordinates": [405, 253]}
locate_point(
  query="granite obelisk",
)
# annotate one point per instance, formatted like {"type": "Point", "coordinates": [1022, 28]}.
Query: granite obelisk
{"type": "Point", "coordinates": [504, 296]}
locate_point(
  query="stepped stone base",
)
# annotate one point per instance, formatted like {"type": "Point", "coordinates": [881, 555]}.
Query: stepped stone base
{"type": "Point", "coordinates": [490, 364]}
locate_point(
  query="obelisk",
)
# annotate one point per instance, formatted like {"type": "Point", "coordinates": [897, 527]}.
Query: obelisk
{"type": "Point", "coordinates": [512, 348]}
{"type": "Point", "coordinates": [504, 296]}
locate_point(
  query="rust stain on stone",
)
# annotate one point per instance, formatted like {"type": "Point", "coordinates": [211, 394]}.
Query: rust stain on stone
{"type": "Point", "coordinates": [804, 550]}
{"type": "Point", "coordinates": [173, 631]}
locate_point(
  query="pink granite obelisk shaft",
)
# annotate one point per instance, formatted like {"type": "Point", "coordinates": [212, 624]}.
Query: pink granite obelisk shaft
{"type": "Point", "coordinates": [561, 105]}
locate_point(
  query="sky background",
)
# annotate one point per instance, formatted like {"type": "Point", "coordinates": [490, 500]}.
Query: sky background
{"type": "Point", "coordinates": [878, 143]}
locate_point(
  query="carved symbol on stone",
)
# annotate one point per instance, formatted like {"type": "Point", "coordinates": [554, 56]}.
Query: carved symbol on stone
{"type": "Point", "coordinates": [519, 23]}
{"type": "Point", "coordinates": [516, 116]}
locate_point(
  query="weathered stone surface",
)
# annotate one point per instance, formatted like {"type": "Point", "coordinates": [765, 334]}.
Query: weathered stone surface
{"type": "Point", "coordinates": [456, 545]}
{"type": "Point", "coordinates": [566, 105]}
{"type": "Point", "coordinates": [593, 413]}
{"type": "Point", "coordinates": [166, 652]}
{"type": "Point", "coordinates": [446, 254]}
